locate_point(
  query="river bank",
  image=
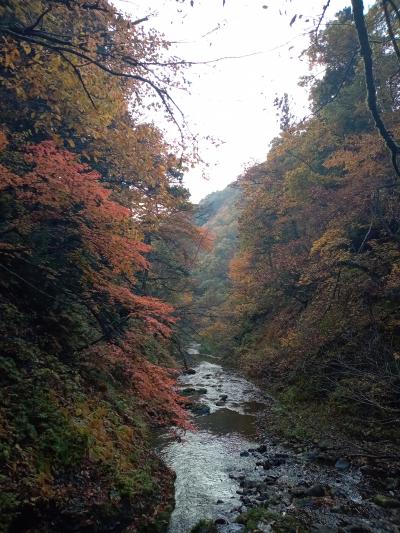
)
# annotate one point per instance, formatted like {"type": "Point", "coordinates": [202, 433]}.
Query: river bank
{"type": "Point", "coordinates": [238, 479]}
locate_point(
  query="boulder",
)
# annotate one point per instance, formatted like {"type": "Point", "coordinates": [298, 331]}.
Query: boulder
{"type": "Point", "coordinates": [392, 483]}
{"type": "Point", "coordinates": [188, 391]}
{"type": "Point", "coordinates": [249, 484]}
{"type": "Point", "coordinates": [263, 527]}
{"type": "Point", "coordinates": [270, 480]}
{"type": "Point", "coordinates": [315, 491]}
{"type": "Point", "coordinates": [267, 465]}
{"type": "Point", "coordinates": [342, 464]}
{"type": "Point", "coordinates": [387, 502]}
{"type": "Point", "coordinates": [320, 528]}
{"type": "Point", "coordinates": [199, 409]}
{"type": "Point", "coordinates": [277, 461]}
{"type": "Point", "coordinates": [311, 455]}
{"type": "Point", "coordinates": [305, 503]}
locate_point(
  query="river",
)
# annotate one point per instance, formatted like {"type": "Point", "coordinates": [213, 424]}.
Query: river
{"type": "Point", "coordinates": [221, 471]}
{"type": "Point", "coordinates": [207, 459]}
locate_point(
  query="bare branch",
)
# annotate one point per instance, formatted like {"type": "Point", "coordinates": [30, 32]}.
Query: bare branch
{"type": "Point", "coordinates": [37, 21]}
{"type": "Point", "coordinates": [390, 29]}
{"type": "Point", "coordinates": [395, 9]}
{"type": "Point", "coordinates": [321, 18]}
{"type": "Point", "coordinates": [366, 53]}
{"type": "Point", "coordinates": [79, 76]}
{"type": "Point", "coordinates": [166, 99]}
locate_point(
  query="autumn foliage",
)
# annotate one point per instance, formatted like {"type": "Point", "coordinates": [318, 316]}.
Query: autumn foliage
{"type": "Point", "coordinates": [91, 199]}
{"type": "Point", "coordinates": [313, 306]}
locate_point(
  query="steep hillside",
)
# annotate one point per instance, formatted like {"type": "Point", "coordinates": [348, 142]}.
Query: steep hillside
{"type": "Point", "coordinates": [314, 292]}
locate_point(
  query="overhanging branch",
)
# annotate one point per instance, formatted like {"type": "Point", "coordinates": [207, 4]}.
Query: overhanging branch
{"type": "Point", "coordinates": [372, 102]}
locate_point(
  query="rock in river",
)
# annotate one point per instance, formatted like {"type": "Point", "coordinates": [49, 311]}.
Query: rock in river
{"type": "Point", "coordinates": [199, 409]}
{"type": "Point", "coordinates": [188, 391]}
{"type": "Point", "coordinates": [342, 465]}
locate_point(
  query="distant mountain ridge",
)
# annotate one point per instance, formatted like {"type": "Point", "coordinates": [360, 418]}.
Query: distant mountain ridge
{"type": "Point", "coordinates": [218, 213]}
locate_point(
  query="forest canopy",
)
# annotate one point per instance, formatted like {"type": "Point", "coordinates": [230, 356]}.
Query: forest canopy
{"type": "Point", "coordinates": [108, 270]}
{"type": "Point", "coordinates": [93, 212]}
{"type": "Point", "coordinates": [313, 299]}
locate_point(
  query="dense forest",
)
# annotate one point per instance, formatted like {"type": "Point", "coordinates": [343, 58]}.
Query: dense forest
{"type": "Point", "coordinates": [291, 275]}
{"type": "Point", "coordinates": [313, 299]}
{"type": "Point", "coordinates": [90, 195]}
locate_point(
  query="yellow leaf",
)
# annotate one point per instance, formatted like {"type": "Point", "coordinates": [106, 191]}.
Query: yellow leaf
{"type": "Point", "coordinates": [26, 48]}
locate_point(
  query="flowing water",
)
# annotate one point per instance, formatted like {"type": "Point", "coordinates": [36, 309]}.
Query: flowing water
{"type": "Point", "coordinates": [221, 471]}
{"type": "Point", "coordinates": [207, 459]}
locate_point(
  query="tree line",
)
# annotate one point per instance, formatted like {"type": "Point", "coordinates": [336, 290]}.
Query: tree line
{"type": "Point", "coordinates": [96, 239]}
{"type": "Point", "coordinates": [313, 303]}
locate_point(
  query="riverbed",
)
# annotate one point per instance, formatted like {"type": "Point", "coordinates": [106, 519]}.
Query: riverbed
{"type": "Point", "coordinates": [222, 471]}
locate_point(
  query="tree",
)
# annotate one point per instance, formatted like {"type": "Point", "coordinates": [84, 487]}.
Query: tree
{"type": "Point", "coordinates": [83, 35]}
{"type": "Point", "coordinates": [86, 184]}
{"type": "Point", "coordinates": [315, 278]}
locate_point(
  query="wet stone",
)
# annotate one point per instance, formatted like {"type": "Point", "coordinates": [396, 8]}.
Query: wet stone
{"type": "Point", "coordinates": [392, 483]}
{"type": "Point", "coordinates": [357, 529]}
{"type": "Point", "coordinates": [316, 491]}
{"type": "Point", "coordinates": [311, 455]}
{"type": "Point", "coordinates": [233, 528]}
{"type": "Point", "coordinates": [304, 503]}
{"type": "Point", "coordinates": [277, 461]}
{"type": "Point", "coordinates": [386, 501]}
{"type": "Point", "coordinates": [199, 409]}
{"type": "Point", "coordinates": [267, 465]}
{"type": "Point", "coordinates": [188, 391]}
{"type": "Point", "coordinates": [342, 465]}
{"type": "Point", "coordinates": [249, 484]}
{"type": "Point", "coordinates": [211, 463]}
{"type": "Point", "coordinates": [270, 480]}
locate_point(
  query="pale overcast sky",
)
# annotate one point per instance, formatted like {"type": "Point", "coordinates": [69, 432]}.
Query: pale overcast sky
{"type": "Point", "coordinates": [232, 100]}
